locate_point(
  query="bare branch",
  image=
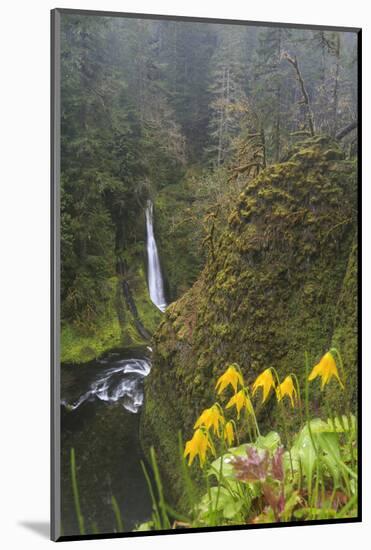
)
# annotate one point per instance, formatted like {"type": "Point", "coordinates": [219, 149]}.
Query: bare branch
{"type": "Point", "coordinates": [294, 62]}
{"type": "Point", "coordinates": [342, 133]}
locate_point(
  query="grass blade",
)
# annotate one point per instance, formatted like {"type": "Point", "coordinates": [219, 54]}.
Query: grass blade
{"type": "Point", "coordinates": [75, 490]}
{"type": "Point", "coordinates": [118, 518]}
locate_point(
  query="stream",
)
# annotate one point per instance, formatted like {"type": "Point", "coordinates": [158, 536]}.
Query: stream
{"type": "Point", "coordinates": [100, 413]}
{"type": "Point", "coordinates": [100, 410]}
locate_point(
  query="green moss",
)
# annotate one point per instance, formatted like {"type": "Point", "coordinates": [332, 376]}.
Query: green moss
{"type": "Point", "coordinates": [116, 326]}
{"type": "Point", "coordinates": [182, 222]}
{"type": "Point", "coordinates": [345, 336]}
{"type": "Point", "coordinates": [274, 289]}
{"type": "Point", "coordinates": [178, 238]}
{"type": "Point", "coordinates": [148, 313]}
{"type": "Point", "coordinates": [79, 346]}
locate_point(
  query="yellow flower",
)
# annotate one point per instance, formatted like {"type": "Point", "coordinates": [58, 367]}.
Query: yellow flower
{"type": "Point", "coordinates": [265, 380]}
{"type": "Point", "coordinates": [326, 369]}
{"type": "Point", "coordinates": [229, 433]}
{"type": "Point", "coordinates": [231, 376]}
{"type": "Point", "coordinates": [211, 417]}
{"type": "Point", "coordinates": [240, 400]}
{"type": "Point", "coordinates": [287, 388]}
{"type": "Point", "coordinates": [198, 445]}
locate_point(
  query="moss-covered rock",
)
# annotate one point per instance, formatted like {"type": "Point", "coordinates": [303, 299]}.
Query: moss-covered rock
{"type": "Point", "coordinates": [182, 219]}
{"type": "Point", "coordinates": [79, 344]}
{"type": "Point", "coordinates": [282, 282]}
{"type": "Point", "coordinates": [345, 337]}
{"type": "Point", "coordinates": [178, 237]}
{"type": "Point", "coordinates": [116, 326]}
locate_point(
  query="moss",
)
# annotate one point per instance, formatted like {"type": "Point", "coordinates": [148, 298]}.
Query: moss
{"type": "Point", "coordinates": [345, 336]}
{"type": "Point", "coordinates": [273, 291]}
{"type": "Point", "coordinates": [80, 346]}
{"type": "Point", "coordinates": [148, 313]}
{"type": "Point", "coordinates": [116, 326]}
{"type": "Point", "coordinates": [178, 239]}
{"type": "Point", "coordinates": [182, 222]}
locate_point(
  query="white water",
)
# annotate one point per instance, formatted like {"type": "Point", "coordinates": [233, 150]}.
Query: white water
{"type": "Point", "coordinates": [123, 382]}
{"type": "Point", "coordinates": [155, 282]}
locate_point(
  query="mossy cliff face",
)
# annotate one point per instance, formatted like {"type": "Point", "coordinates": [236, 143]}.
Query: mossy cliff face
{"type": "Point", "coordinates": [282, 282]}
{"type": "Point", "coordinates": [80, 344]}
{"type": "Point", "coordinates": [116, 325]}
{"type": "Point", "coordinates": [345, 336]}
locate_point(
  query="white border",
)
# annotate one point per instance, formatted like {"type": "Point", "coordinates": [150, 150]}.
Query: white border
{"type": "Point", "coordinates": [24, 299]}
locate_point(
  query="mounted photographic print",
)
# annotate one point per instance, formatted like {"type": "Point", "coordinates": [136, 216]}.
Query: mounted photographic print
{"type": "Point", "coordinates": [205, 192]}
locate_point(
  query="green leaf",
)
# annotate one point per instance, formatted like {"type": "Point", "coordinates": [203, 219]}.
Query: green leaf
{"type": "Point", "coordinates": [290, 504]}
{"type": "Point", "coordinates": [224, 503]}
{"type": "Point", "coordinates": [303, 451]}
{"type": "Point", "coordinates": [342, 424]}
{"type": "Point", "coordinates": [227, 468]}
{"type": "Point", "coordinates": [270, 442]}
{"type": "Point", "coordinates": [146, 526]}
{"type": "Point", "coordinates": [232, 508]}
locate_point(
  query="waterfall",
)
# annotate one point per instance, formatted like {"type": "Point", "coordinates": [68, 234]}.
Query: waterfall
{"type": "Point", "coordinates": [155, 282]}
{"type": "Point", "coordinates": [122, 382]}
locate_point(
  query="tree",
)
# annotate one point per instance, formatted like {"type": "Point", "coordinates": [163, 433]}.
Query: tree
{"type": "Point", "coordinates": [227, 93]}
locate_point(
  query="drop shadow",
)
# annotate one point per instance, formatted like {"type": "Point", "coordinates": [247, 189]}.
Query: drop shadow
{"type": "Point", "coordinates": [42, 528]}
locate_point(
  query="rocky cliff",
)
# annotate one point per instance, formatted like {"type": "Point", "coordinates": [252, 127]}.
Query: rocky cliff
{"type": "Point", "coordinates": [281, 281]}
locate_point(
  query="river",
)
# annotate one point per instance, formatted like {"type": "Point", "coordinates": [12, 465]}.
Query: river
{"type": "Point", "coordinates": [100, 413]}
{"type": "Point", "coordinates": [101, 403]}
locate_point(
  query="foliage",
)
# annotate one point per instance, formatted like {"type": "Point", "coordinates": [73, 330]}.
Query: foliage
{"type": "Point", "coordinates": [75, 490]}
{"type": "Point", "coordinates": [312, 476]}
{"type": "Point", "coordinates": [273, 287]}
{"type": "Point", "coordinates": [110, 150]}
{"type": "Point", "coordinates": [256, 228]}
{"type": "Point", "coordinates": [147, 107]}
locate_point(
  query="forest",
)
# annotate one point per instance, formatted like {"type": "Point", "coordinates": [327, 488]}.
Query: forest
{"type": "Point", "coordinates": [214, 166]}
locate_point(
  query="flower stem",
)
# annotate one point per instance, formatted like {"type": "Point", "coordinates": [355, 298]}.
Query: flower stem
{"type": "Point", "coordinates": [186, 477]}
{"type": "Point", "coordinates": [162, 505]}
{"type": "Point", "coordinates": [219, 481]}
{"type": "Point", "coordinates": [299, 397]}
{"type": "Point", "coordinates": [156, 513]}
{"type": "Point", "coordinates": [307, 414]}
{"type": "Point", "coordinates": [284, 422]}
{"type": "Point", "coordinates": [117, 513]}
{"type": "Point", "coordinates": [75, 491]}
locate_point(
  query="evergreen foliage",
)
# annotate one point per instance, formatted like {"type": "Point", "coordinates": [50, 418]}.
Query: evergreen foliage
{"type": "Point", "coordinates": [179, 112]}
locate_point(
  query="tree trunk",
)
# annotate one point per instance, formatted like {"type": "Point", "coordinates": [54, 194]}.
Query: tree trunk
{"type": "Point", "coordinates": [306, 102]}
